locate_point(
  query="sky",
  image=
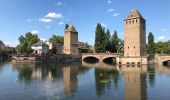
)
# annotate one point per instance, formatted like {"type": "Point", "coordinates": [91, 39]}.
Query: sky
{"type": "Point", "coordinates": [48, 17]}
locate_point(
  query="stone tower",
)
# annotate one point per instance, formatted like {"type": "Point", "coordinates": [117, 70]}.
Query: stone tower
{"type": "Point", "coordinates": [71, 40]}
{"type": "Point", "coordinates": [135, 35]}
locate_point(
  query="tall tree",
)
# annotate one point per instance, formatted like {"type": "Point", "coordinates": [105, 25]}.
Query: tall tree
{"type": "Point", "coordinates": [151, 44]}
{"type": "Point", "coordinates": [115, 42]}
{"type": "Point", "coordinates": [55, 38]}
{"type": "Point", "coordinates": [107, 41]}
{"type": "Point", "coordinates": [26, 42]}
{"type": "Point", "coordinates": [99, 39]}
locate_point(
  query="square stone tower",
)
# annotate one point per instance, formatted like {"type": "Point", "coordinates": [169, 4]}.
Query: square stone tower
{"type": "Point", "coordinates": [71, 40]}
{"type": "Point", "coordinates": [135, 35]}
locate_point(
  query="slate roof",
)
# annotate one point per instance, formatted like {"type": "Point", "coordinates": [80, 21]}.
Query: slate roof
{"type": "Point", "coordinates": [40, 43]}
{"type": "Point", "coordinates": [134, 14]}
{"type": "Point", "coordinates": [71, 28]}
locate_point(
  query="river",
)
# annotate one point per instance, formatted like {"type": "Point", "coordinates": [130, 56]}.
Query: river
{"type": "Point", "coordinates": [76, 81]}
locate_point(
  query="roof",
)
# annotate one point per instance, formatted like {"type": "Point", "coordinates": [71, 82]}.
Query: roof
{"type": "Point", "coordinates": [40, 43]}
{"type": "Point", "coordinates": [134, 14]}
{"type": "Point", "coordinates": [71, 28]}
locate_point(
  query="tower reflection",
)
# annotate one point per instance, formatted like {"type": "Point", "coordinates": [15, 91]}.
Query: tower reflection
{"type": "Point", "coordinates": [135, 82]}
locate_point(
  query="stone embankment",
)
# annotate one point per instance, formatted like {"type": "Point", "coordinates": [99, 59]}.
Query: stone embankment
{"type": "Point", "coordinates": [62, 58]}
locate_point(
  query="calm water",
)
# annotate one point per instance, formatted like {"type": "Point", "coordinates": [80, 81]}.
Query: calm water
{"type": "Point", "coordinates": [83, 82]}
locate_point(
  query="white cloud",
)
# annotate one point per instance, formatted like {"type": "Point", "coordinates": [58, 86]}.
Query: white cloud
{"type": "Point", "coordinates": [29, 20]}
{"type": "Point", "coordinates": [54, 15]}
{"type": "Point", "coordinates": [164, 30]}
{"type": "Point", "coordinates": [35, 32]}
{"type": "Point", "coordinates": [161, 37]}
{"type": "Point", "coordinates": [104, 25]}
{"type": "Point", "coordinates": [58, 3]}
{"type": "Point", "coordinates": [109, 1]}
{"type": "Point", "coordinates": [115, 14]}
{"type": "Point", "coordinates": [60, 23]}
{"type": "Point", "coordinates": [110, 10]}
{"type": "Point", "coordinates": [45, 20]}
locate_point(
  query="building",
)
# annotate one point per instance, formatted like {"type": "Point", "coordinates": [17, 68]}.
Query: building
{"type": "Point", "coordinates": [71, 40]}
{"type": "Point", "coordinates": [40, 48]}
{"type": "Point", "coordinates": [135, 35]}
{"type": "Point", "coordinates": [83, 47]}
{"type": "Point", "coordinates": [58, 45]}
{"type": "Point", "coordinates": [2, 45]}
{"type": "Point", "coordinates": [135, 40]}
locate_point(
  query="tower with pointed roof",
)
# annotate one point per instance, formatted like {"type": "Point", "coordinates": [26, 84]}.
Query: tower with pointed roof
{"type": "Point", "coordinates": [71, 40]}
{"type": "Point", "coordinates": [135, 35]}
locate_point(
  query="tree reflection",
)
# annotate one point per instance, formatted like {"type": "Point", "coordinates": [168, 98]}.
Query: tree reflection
{"type": "Point", "coordinates": [151, 75]}
{"type": "Point", "coordinates": [104, 79]}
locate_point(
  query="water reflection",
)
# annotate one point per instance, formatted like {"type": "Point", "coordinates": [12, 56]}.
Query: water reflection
{"type": "Point", "coordinates": [135, 82]}
{"type": "Point", "coordinates": [68, 73]}
{"type": "Point", "coordinates": [76, 81]}
{"type": "Point", "coordinates": [134, 79]}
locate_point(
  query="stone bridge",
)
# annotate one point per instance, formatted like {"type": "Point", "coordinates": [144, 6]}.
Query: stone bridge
{"type": "Point", "coordinates": [162, 59]}
{"type": "Point", "coordinates": [100, 57]}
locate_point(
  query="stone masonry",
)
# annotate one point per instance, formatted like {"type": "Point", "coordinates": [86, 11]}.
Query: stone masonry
{"type": "Point", "coordinates": [71, 40]}
{"type": "Point", "coordinates": [135, 35]}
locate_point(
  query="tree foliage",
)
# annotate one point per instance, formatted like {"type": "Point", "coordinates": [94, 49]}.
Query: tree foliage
{"type": "Point", "coordinates": [151, 44]}
{"type": "Point", "coordinates": [105, 42]}
{"type": "Point", "coordinates": [162, 47]}
{"type": "Point", "coordinates": [99, 38]}
{"type": "Point", "coordinates": [55, 38]}
{"type": "Point", "coordinates": [26, 42]}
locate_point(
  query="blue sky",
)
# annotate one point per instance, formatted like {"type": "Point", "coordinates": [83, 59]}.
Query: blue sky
{"type": "Point", "coordinates": [48, 17]}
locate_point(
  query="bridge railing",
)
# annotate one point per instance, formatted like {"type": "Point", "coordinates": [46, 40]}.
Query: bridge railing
{"type": "Point", "coordinates": [100, 54]}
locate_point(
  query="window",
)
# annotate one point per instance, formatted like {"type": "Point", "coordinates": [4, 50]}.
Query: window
{"type": "Point", "coordinates": [133, 21]}
{"type": "Point", "coordinates": [134, 47]}
{"type": "Point", "coordinates": [136, 20]}
{"type": "Point", "coordinates": [129, 22]}
{"type": "Point", "coordinates": [128, 47]}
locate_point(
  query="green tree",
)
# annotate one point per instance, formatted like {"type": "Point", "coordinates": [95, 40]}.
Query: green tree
{"type": "Point", "coordinates": [26, 42]}
{"type": "Point", "coordinates": [107, 41]}
{"type": "Point", "coordinates": [66, 26]}
{"type": "Point", "coordinates": [151, 44]}
{"type": "Point", "coordinates": [115, 42]}
{"type": "Point", "coordinates": [55, 38]}
{"type": "Point", "coordinates": [99, 39]}
{"type": "Point", "coordinates": [53, 50]}
{"type": "Point", "coordinates": [162, 47]}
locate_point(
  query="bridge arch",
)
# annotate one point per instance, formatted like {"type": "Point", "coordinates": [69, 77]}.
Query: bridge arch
{"type": "Point", "coordinates": [91, 59]}
{"type": "Point", "coordinates": [110, 60]}
{"type": "Point", "coordinates": [166, 62]}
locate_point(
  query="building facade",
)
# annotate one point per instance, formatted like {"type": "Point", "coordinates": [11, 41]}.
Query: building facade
{"type": "Point", "coordinates": [40, 48]}
{"type": "Point", "coordinates": [135, 35]}
{"type": "Point", "coordinates": [71, 40]}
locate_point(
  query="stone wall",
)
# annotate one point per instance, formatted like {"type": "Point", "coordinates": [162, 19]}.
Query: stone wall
{"type": "Point", "coordinates": [133, 60]}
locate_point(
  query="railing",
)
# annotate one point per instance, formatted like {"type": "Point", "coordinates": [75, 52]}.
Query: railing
{"type": "Point", "coordinates": [100, 54]}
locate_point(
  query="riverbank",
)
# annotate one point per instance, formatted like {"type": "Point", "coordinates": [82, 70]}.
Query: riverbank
{"type": "Point", "coordinates": [62, 58]}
